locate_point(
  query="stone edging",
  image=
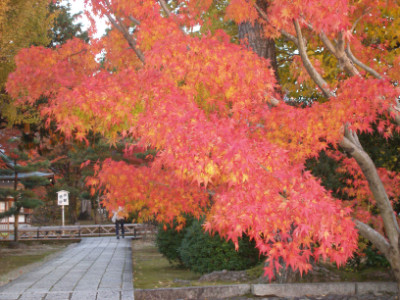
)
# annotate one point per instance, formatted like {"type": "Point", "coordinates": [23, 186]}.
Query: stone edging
{"type": "Point", "coordinates": [277, 290]}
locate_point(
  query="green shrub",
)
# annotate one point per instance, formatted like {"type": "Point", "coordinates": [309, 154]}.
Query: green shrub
{"type": "Point", "coordinates": [370, 257]}
{"type": "Point", "coordinates": [374, 258]}
{"type": "Point", "coordinates": [169, 240]}
{"type": "Point", "coordinates": [203, 253]}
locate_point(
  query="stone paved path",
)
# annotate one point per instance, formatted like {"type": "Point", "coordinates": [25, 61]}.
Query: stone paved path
{"type": "Point", "coordinates": [95, 269]}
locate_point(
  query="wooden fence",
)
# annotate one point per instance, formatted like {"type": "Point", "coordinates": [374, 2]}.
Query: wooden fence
{"type": "Point", "coordinates": [78, 231]}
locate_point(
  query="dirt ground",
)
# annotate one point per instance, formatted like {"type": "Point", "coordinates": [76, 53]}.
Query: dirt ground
{"type": "Point", "coordinates": [18, 259]}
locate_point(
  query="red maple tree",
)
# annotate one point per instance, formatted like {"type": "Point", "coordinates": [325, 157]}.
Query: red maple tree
{"type": "Point", "coordinates": [213, 111]}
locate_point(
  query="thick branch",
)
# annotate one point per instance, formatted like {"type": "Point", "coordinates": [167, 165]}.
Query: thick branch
{"type": "Point", "coordinates": [134, 20]}
{"type": "Point", "coordinates": [338, 51]}
{"type": "Point", "coordinates": [340, 42]}
{"type": "Point", "coordinates": [261, 12]}
{"type": "Point", "coordinates": [121, 28]}
{"type": "Point", "coordinates": [375, 237]}
{"type": "Point", "coordinates": [351, 145]}
{"type": "Point", "coordinates": [343, 59]}
{"type": "Point", "coordinates": [321, 83]}
{"type": "Point", "coordinates": [286, 34]}
{"type": "Point", "coordinates": [165, 7]}
{"type": "Point", "coordinates": [328, 44]}
{"type": "Point", "coordinates": [289, 37]}
{"type": "Point", "coordinates": [360, 64]}
{"type": "Point", "coordinates": [396, 110]}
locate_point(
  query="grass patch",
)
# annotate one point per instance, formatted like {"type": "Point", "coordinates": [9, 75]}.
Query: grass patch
{"type": "Point", "coordinates": [11, 262]}
{"type": "Point", "coordinates": [367, 274]}
{"type": "Point", "coordinates": [152, 270]}
{"type": "Point", "coordinates": [14, 256]}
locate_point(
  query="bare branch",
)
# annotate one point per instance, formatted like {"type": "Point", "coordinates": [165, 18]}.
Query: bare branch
{"type": "Point", "coordinates": [165, 7]}
{"type": "Point", "coordinates": [134, 20]}
{"type": "Point", "coordinates": [343, 59]}
{"type": "Point", "coordinates": [261, 12]}
{"type": "Point", "coordinates": [360, 64]}
{"type": "Point", "coordinates": [290, 37]}
{"type": "Point", "coordinates": [339, 52]}
{"type": "Point", "coordinates": [274, 101]}
{"type": "Point", "coordinates": [328, 44]}
{"type": "Point", "coordinates": [396, 111]}
{"type": "Point", "coordinates": [316, 77]}
{"type": "Point", "coordinates": [366, 11]}
{"type": "Point", "coordinates": [125, 32]}
{"type": "Point", "coordinates": [375, 237]}
{"type": "Point", "coordinates": [340, 42]}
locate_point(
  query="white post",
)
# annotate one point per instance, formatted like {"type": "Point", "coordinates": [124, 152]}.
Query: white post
{"type": "Point", "coordinates": [63, 220]}
{"type": "Point", "coordinates": [62, 200]}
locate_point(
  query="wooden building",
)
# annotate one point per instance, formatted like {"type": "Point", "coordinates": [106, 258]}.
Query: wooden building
{"type": "Point", "coordinates": [7, 182]}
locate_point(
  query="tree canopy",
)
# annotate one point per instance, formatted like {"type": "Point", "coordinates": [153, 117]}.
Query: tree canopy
{"type": "Point", "coordinates": [22, 23]}
{"type": "Point", "coordinates": [228, 144]}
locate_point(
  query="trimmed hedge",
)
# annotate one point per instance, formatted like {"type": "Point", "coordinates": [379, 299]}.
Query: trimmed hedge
{"type": "Point", "coordinates": [169, 240]}
{"type": "Point", "coordinates": [203, 253]}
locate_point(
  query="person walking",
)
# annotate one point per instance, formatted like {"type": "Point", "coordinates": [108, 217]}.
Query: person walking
{"type": "Point", "coordinates": [119, 220]}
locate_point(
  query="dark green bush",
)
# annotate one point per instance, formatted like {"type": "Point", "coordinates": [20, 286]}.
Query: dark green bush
{"type": "Point", "coordinates": [203, 253]}
{"type": "Point", "coordinates": [369, 258]}
{"type": "Point", "coordinates": [169, 240]}
{"type": "Point", "coordinates": [374, 258]}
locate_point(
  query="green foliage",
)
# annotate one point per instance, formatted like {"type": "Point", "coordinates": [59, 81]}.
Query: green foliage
{"type": "Point", "coordinates": [203, 253]}
{"type": "Point", "coordinates": [325, 168]}
{"type": "Point", "coordinates": [23, 199]}
{"type": "Point", "coordinates": [64, 27]}
{"type": "Point", "coordinates": [34, 181]}
{"type": "Point", "coordinates": [27, 23]}
{"type": "Point", "coordinates": [374, 258]}
{"type": "Point", "coordinates": [369, 258]}
{"type": "Point", "coordinates": [168, 240]}
{"type": "Point", "coordinates": [24, 23]}
{"type": "Point", "coordinates": [387, 154]}
{"type": "Point", "coordinates": [214, 19]}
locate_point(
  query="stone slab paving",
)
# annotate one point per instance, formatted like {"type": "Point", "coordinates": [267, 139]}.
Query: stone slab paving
{"type": "Point", "coordinates": [95, 269]}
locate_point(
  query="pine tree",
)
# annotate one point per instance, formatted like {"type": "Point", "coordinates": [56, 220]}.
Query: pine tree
{"type": "Point", "coordinates": [25, 171]}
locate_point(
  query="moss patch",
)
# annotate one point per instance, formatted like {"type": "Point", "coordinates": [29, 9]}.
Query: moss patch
{"type": "Point", "coordinates": [11, 262]}
{"type": "Point", "coordinates": [152, 270]}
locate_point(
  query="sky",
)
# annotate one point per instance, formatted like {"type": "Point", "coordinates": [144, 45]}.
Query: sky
{"type": "Point", "coordinates": [78, 6]}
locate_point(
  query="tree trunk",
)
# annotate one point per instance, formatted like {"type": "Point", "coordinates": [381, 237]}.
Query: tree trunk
{"type": "Point", "coordinates": [253, 37]}
{"type": "Point", "coordinates": [72, 210]}
{"type": "Point", "coordinates": [16, 216]}
{"type": "Point", "coordinates": [389, 244]}
{"type": "Point", "coordinates": [16, 225]}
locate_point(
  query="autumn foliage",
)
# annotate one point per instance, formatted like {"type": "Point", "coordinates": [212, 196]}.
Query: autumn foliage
{"type": "Point", "coordinates": [228, 145]}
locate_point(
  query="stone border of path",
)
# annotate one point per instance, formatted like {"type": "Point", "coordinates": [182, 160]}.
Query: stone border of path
{"type": "Point", "coordinates": [271, 290]}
